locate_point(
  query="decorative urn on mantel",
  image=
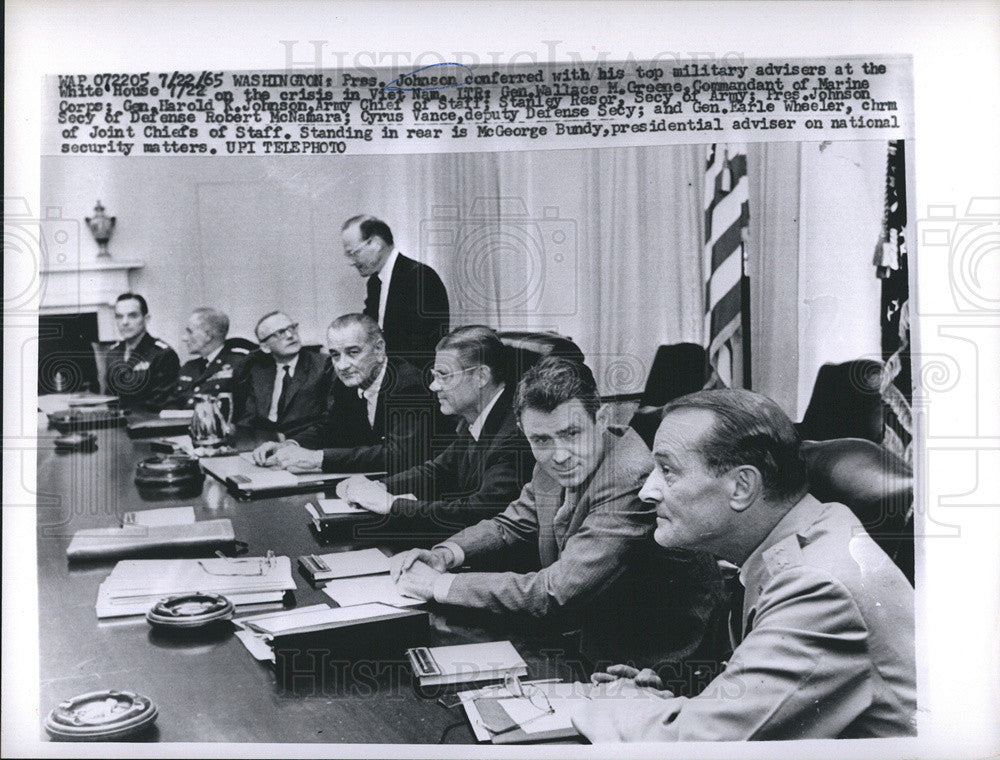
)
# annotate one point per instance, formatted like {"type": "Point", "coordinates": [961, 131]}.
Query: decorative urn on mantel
{"type": "Point", "coordinates": [101, 226]}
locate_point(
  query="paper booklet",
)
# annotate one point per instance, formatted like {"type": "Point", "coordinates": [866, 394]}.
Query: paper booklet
{"type": "Point", "coordinates": [466, 663]}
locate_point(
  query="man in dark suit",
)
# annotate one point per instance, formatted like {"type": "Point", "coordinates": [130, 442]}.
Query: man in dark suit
{"type": "Point", "coordinates": [405, 297]}
{"type": "Point", "coordinates": [141, 369]}
{"type": "Point", "coordinates": [285, 387]}
{"type": "Point", "coordinates": [822, 620]}
{"type": "Point", "coordinates": [379, 416]}
{"type": "Point", "coordinates": [483, 468]}
{"type": "Point", "coordinates": [581, 509]}
{"type": "Point", "coordinates": [214, 369]}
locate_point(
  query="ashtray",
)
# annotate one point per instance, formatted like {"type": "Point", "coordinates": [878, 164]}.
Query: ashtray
{"type": "Point", "coordinates": [186, 611]}
{"type": "Point", "coordinates": [101, 716]}
{"type": "Point", "coordinates": [76, 442]}
{"type": "Point", "coordinates": [169, 473]}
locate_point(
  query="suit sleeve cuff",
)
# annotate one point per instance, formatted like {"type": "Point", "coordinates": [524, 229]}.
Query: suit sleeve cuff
{"type": "Point", "coordinates": [442, 585]}
{"type": "Point", "coordinates": [456, 551]}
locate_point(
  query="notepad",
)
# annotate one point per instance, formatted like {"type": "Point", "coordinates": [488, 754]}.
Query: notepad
{"type": "Point", "coordinates": [325, 567]}
{"type": "Point", "coordinates": [370, 588]}
{"type": "Point", "coordinates": [466, 663]}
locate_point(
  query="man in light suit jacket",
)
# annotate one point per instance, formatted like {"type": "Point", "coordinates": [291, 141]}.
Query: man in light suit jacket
{"type": "Point", "coordinates": [824, 633]}
{"type": "Point", "coordinates": [285, 389]}
{"type": "Point", "coordinates": [379, 416]}
{"type": "Point", "coordinates": [581, 508]}
{"type": "Point", "coordinates": [482, 469]}
{"type": "Point", "coordinates": [405, 297]}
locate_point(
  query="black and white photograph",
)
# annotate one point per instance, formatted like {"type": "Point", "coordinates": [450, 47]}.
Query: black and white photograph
{"type": "Point", "coordinates": [451, 404]}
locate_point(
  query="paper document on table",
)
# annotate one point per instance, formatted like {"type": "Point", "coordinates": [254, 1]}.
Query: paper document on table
{"type": "Point", "coordinates": [180, 443]}
{"type": "Point", "coordinates": [158, 517]}
{"type": "Point", "coordinates": [339, 507]}
{"type": "Point", "coordinates": [256, 645]}
{"type": "Point", "coordinates": [326, 567]}
{"type": "Point", "coordinates": [371, 588]}
{"type": "Point", "coordinates": [318, 616]}
{"type": "Point", "coordinates": [51, 403]}
{"type": "Point", "coordinates": [176, 414]}
{"type": "Point", "coordinates": [91, 400]}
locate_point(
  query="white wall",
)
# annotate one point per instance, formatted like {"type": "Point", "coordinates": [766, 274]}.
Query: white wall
{"type": "Point", "coordinates": [842, 202]}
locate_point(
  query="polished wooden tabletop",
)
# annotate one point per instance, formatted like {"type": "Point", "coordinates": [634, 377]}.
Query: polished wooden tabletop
{"type": "Point", "coordinates": [207, 686]}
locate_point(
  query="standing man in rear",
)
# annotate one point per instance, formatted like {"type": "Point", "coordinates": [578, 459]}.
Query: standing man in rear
{"type": "Point", "coordinates": [405, 297]}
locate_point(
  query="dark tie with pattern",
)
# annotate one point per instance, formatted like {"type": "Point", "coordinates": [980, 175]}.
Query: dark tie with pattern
{"type": "Point", "coordinates": [736, 595]}
{"type": "Point", "coordinates": [373, 297]}
{"type": "Point", "coordinates": [286, 390]}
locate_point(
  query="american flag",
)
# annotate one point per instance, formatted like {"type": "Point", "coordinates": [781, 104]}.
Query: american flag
{"type": "Point", "coordinates": [726, 217]}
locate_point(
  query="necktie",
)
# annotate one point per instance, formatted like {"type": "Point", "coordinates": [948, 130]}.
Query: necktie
{"type": "Point", "coordinates": [373, 297]}
{"type": "Point", "coordinates": [286, 387]}
{"type": "Point", "coordinates": [736, 594]}
{"type": "Point", "coordinates": [128, 354]}
{"type": "Point", "coordinates": [560, 523]}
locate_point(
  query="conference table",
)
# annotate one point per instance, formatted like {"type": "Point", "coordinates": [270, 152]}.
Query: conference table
{"type": "Point", "coordinates": [207, 686]}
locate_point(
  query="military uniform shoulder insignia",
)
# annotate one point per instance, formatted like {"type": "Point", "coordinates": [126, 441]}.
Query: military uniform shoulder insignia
{"type": "Point", "coordinates": [160, 344]}
{"type": "Point", "coordinates": [784, 554]}
{"type": "Point", "coordinates": [239, 350]}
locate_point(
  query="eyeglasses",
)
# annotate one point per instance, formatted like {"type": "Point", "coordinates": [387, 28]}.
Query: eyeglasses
{"type": "Point", "coordinates": [445, 378]}
{"type": "Point", "coordinates": [244, 567]}
{"type": "Point", "coordinates": [355, 251]}
{"type": "Point", "coordinates": [512, 688]}
{"type": "Point", "coordinates": [284, 332]}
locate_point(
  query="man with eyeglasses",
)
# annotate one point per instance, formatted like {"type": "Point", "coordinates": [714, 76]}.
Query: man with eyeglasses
{"type": "Point", "coordinates": [285, 387]}
{"type": "Point", "coordinates": [405, 297]}
{"type": "Point", "coordinates": [482, 469]}
{"type": "Point", "coordinates": [581, 511]}
{"type": "Point", "coordinates": [379, 416]}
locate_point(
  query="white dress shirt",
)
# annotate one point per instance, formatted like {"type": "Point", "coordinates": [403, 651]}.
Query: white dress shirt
{"type": "Point", "coordinates": [385, 274]}
{"type": "Point", "coordinates": [476, 428]}
{"type": "Point", "coordinates": [370, 394]}
{"type": "Point", "coordinates": [279, 383]}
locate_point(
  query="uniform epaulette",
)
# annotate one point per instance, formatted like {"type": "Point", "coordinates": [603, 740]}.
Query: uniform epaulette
{"type": "Point", "coordinates": [784, 554]}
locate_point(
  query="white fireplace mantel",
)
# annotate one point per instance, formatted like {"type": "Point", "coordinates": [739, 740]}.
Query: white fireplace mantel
{"type": "Point", "coordinates": [90, 286]}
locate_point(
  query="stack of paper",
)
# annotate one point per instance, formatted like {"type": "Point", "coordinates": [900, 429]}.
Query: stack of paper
{"type": "Point", "coordinates": [258, 631]}
{"type": "Point", "coordinates": [136, 585]}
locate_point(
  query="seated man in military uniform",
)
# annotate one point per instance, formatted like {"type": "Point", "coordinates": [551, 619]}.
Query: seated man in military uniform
{"type": "Point", "coordinates": [214, 369]}
{"type": "Point", "coordinates": [141, 370]}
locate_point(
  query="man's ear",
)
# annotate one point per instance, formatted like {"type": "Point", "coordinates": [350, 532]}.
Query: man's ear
{"type": "Point", "coordinates": [745, 487]}
{"type": "Point", "coordinates": [605, 415]}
